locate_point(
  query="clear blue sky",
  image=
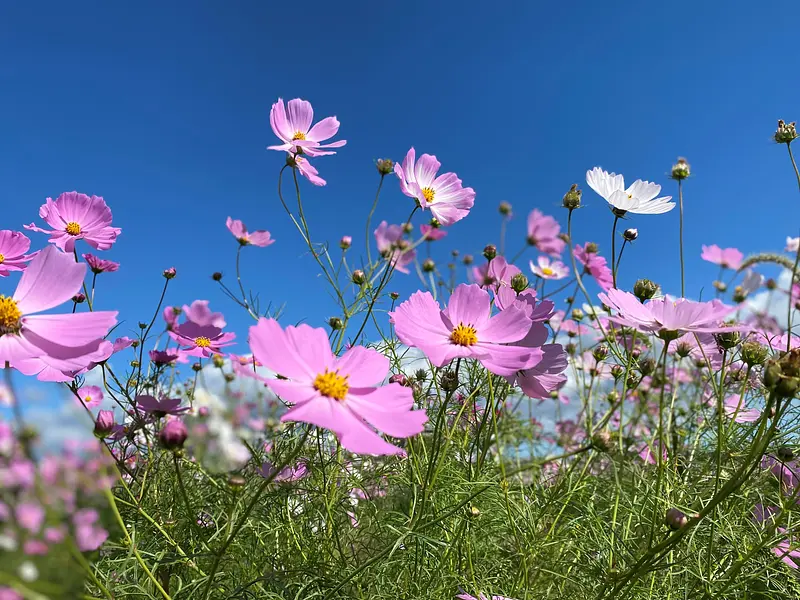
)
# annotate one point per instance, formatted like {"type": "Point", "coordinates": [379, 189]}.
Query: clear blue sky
{"type": "Point", "coordinates": [163, 109]}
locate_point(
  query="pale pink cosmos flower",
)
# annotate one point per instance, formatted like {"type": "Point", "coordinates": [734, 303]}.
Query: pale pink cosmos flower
{"type": "Point", "coordinates": [595, 265]}
{"type": "Point", "coordinates": [308, 170]}
{"type": "Point", "coordinates": [7, 593]}
{"type": "Point", "coordinates": [66, 341]}
{"type": "Point", "coordinates": [287, 475]}
{"type": "Point", "coordinates": [443, 195]}
{"type": "Point", "coordinates": [292, 124]}
{"type": "Point", "coordinates": [167, 357]}
{"type": "Point", "coordinates": [30, 516]}
{"type": "Point", "coordinates": [792, 244]}
{"type": "Point", "coordinates": [199, 312]}
{"type": "Point", "coordinates": [543, 231]}
{"type": "Point", "coordinates": [393, 247]}
{"type": "Point", "coordinates": [495, 274]}
{"type": "Point", "coordinates": [728, 258]}
{"type": "Point", "coordinates": [662, 316]}
{"type": "Point", "coordinates": [90, 395]}
{"type": "Point", "coordinates": [465, 329]}
{"type": "Point", "coordinates": [88, 534]}
{"type": "Point", "coordinates": [13, 248]}
{"type": "Point", "coordinates": [201, 340]}
{"type": "Point", "coordinates": [547, 269]}
{"type": "Point", "coordinates": [75, 216]}
{"type": "Point", "coordinates": [734, 408]}
{"type": "Point", "coordinates": [431, 233]}
{"type": "Point", "coordinates": [336, 393]}
{"type": "Point", "coordinates": [258, 238]}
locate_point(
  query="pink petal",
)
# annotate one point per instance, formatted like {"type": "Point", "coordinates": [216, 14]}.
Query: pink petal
{"type": "Point", "coordinates": [363, 367]}
{"type": "Point", "coordinates": [71, 330]}
{"type": "Point", "coordinates": [51, 279]}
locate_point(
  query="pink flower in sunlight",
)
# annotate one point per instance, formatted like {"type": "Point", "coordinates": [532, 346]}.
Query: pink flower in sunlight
{"type": "Point", "coordinates": [543, 233]}
{"type": "Point", "coordinates": [393, 247]}
{"type": "Point", "coordinates": [595, 265]}
{"type": "Point", "coordinates": [30, 516]}
{"type": "Point", "coordinates": [665, 317]}
{"type": "Point", "coordinates": [160, 408]}
{"type": "Point", "coordinates": [728, 258]}
{"type": "Point", "coordinates": [245, 366]}
{"type": "Point", "coordinates": [75, 216]}
{"type": "Point", "coordinates": [443, 195]}
{"type": "Point", "coordinates": [201, 340]}
{"type": "Point", "coordinates": [293, 127]}
{"type": "Point", "coordinates": [100, 265]}
{"type": "Point", "coordinates": [66, 341]}
{"type": "Point", "coordinates": [258, 238]}
{"type": "Point", "coordinates": [90, 395]}
{"type": "Point", "coordinates": [199, 313]}
{"type": "Point", "coordinates": [547, 269]}
{"type": "Point", "coordinates": [336, 393]}
{"type": "Point", "coordinates": [465, 329]}
{"type": "Point", "coordinates": [307, 170]}
{"type": "Point", "coordinates": [431, 233]}
{"type": "Point", "coordinates": [13, 248]}
{"type": "Point", "coordinates": [88, 534]}
{"type": "Point", "coordinates": [734, 408]}
{"type": "Point", "coordinates": [495, 274]}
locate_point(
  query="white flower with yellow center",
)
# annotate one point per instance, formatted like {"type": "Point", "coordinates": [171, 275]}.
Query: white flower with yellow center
{"type": "Point", "coordinates": [639, 198]}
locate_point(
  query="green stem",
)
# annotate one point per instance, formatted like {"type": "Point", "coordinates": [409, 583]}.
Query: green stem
{"type": "Point", "coordinates": [613, 248]}
{"type": "Point", "coordinates": [680, 237]}
{"type": "Point", "coordinates": [369, 218]}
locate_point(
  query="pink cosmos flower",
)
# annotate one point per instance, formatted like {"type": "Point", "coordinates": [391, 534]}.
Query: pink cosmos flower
{"type": "Point", "coordinates": [7, 593]}
{"type": "Point", "coordinates": [167, 356]}
{"type": "Point", "coordinates": [35, 548]}
{"type": "Point", "coordinates": [258, 238]}
{"type": "Point", "coordinates": [201, 340]}
{"type": "Point", "coordinates": [90, 395]}
{"type": "Point", "coordinates": [393, 247]}
{"type": "Point", "coordinates": [735, 410]}
{"type": "Point", "coordinates": [787, 551]}
{"type": "Point", "coordinates": [465, 329]}
{"type": "Point", "coordinates": [160, 408]}
{"type": "Point", "coordinates": [294, 129]}
{"type": "Point", "coordinates": [13, 248]}
{"type": "Point", "coordinates": [199, 313]}
{"type": "Point", "coordinates": [543, 233]}
{"type": "Point", "coordinates": [308, 171]}
{"type": "Point", "coordinates": [495, 274]}
{"type": "Point", "coordinates": [75, 216]}
{"type": "Point", "coordinates": [67, 341]}
{"type": "Point", "coordinates": [547, 269]}
{"type": "Point", "coordinates": [30, 516]}
{"type": "Point", "coordinates": [662, 315]}
{"type": "Point", "coordinates": [481, 596]}
{"type": "Point", "coordinates": [448, 200]}
{"type": "Point", "coordinates": [100, 265]}
{"type": "Point", "coordinates": [88, 534]}
{"type": "Point", "coordinates": [728, 258]}
{"type": "Point", "coordinates": [287, 475]}
{"type": "Point", "coordinates": [336, 393]}
{"type": "Point", "coordinates": [649, 454]}
{"type": "Point", "coordinates": [595, 265]}
{"type": "Point", "coordinates": [431, 233]}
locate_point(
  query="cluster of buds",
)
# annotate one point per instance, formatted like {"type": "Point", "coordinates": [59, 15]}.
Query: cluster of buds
{"type": "Point", "coordinates": [786, 132]}
{"type": "Point", "coordinates": [782, 376]}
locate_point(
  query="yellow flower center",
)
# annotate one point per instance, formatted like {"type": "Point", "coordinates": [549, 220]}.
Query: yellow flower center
{"type": "Point", "coordinates": [87, 399]}
{"type": "Point", "coordinates": [73, 228]}
{"type": "Point", "coordinates": [298, 135]}
{"type": "Point", "coordinates": [464, 335]}
{"type": "Point", "coordinates": [331, 385]}
{"type": "Point", "coordinates": [9, 315]}
{"type": "Point", "coordinates": [429, 194]}
{"type": "Point", "coordinates": [2, 259]}
{"type": "Point", "coordinates": [547, 271]}
{"type": "Point", "coordinates": [202, 342]}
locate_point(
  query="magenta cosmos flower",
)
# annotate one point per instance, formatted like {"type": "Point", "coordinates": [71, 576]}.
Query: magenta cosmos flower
{"type": "Point", "coordinates": [495, 274]}
{"type": "Point", "coordinates": [431, 233]}
{"type": "Point", "coordinates": [293, 127]}
{"type": "Point", "coordinates": [258, 238]}
{"type": "Point", "coordinates": [336, 393]}
{"type": "Point", "coordinates": [90, 395]}
{"type": "Point", "coordinates": [443, 195]}
{"type": "Point", "coordinates": [394, 247]}
{"type": "Point", "coordinates": [665, 317]}
{"type": "Point", "coordinates": [543, 231]}
{"type": "Point", "coordinates": [13, 248]}
{"type": "Point", "coordinates": [66, 341]}
{"type": "Point", "coordinates": [728, 258]}
{"type": "Point", "coordinates": [201, 340]}
{"type": "Point", "coordinates": [75, 216]}
{"type": "Point", "coordinates": [160, 408]}
{"type": "Point", "coordinates": [595, 265]}
{"type": "Point", "coordinates": [549, 269]}
{"type": "Point", "coordinates": [100, 265]}
{"type": "Point", "coordinates": [465, 329]}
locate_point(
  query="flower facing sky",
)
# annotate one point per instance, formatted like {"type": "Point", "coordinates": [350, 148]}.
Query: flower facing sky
{"type": "Point", "coordinates": [258, 238]}
{"type": "Point", "coordinates": [13, 248]}
{"type": "Point", "coordinates": [728, 258]}
{"type": "Point", "coordinates": [465, 329]}
{"type": "Point", "coordinates": [90, 395]}
{"type": "Point", "coordinates": [543, 231]}
{"type": "Point", "coordinates": [443, 195]}
{"type": "Point", "coordinates": [292, 124]}
{"type": "Point", "coordinates": [336, 393]}
{"type": "Point", "coordinates": [639, 198]}
{"type": "Point", "coordinates": [549, 269]}
{"type": "Point", "coordinates": [74, 216]}
{"type": "Point", "coordinates": [201, 340]}
{"type": "Point", "coordinates": [31, 343]}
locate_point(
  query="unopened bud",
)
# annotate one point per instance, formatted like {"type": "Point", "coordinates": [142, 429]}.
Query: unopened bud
{"type": "Point", "coordinates": [236, 483]}
{"type": "Point", "coordinates": [602, 442]}
{"type": "Point", "coordinates": [617, 371]}
{"type": "Point", "coordinates": [335, 323]}
{"type": "Point", "coordinates": [577, 314]}
{"type": "Point", "coordinates": [570, 348]}
{"type": "Point", "coordinates": [218, 360]}
{"type": "Point", "coordinates": [680, 170]}
{"type": "Point", "coordinates": [644, 289]}
{"type": "Point", "coordinates": [785, 453]}
{"type": "Point", "coordinates": [771, 284]}
{"type": "Point", "coordinates": [79, 298]}
{"type": "Point", "coordinates": [421, 375]}
{"type": "Point", "coordinates": [519, 283]}
{"type": "Point", "coordinates": [600, 352]}
{"type": "Point", "coordinates": [728, 339]}
{"type": "Point", "coordinates": [229, 377]}
{"type": "Point", "coordinates": [454, 253]}
{"type": "Point", "coordinates": [786, 132]}
{"type": "Point", "coordinates": [504, 208]}
{"type": "Point", "coordinates": [216, 276]}
{"type": "Point", "coordinates": [675, 519]}
{"type": "Point", "coordinates": [467, 260]}
{"type": "Point", "coordinates": [449, 380]}
{"type": "Point", "coordinates": [394, 295]}
{"type": "Point", "coordinates": [683, 349]}
{"type": "Point", "coordinates": [720, 286]}
{"type": "Point", "coordinates": [739, 295]}
{"type": "Point", "coordinates": [428, 266]}
{"type": "Point", "coordinates": [173, 434]}
{"type": "Point", "coordinates": [399, 378]}
{"type": "Point", "coordinates": [169, 273]}
{"type": "Point", "coordinates": [142, 325]}
{"type": "Point", "coordinates": [490, 251]}
{"type": "Point", "coordinates": [572, 199]}
{"type": "Point", "coordinates": [345, 242]}
{"type": "Point", "coordinates": [358, 277]}
{"type": "Point", "coordinates": [104, 423]}
{"type": "Point", "coordinates": [630, 234]}
{"type": "Point", "coordinates": [753, 353]}
{"type": "Point", "coordinates": [647, 366]}
{"type": "Point", "coordinates": [384, 165]}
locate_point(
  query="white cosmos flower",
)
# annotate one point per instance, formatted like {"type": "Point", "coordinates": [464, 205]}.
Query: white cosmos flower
{"type": "Point", "coordinates": [639, 198]}
{"type": "Point", "coordinates": [792, 244]}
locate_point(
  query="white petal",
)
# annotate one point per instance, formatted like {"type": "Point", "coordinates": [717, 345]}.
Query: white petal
{"type": "Point", "coordinates": [658, 206]}
{"type": "Point", "coordinates": [644, 190]}
{"type": "Point", "coordinates": [622, 201]}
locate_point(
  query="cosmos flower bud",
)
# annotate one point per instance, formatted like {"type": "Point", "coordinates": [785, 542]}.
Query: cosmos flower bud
{"type": "Point", "coordinates": [683, 349]}
{"type": "Point", "coordinates": [786, 132]}
{"type": "Point", "coordinates": [644, 289]}
{"type": "Point", "coordinates": [490, 251]}
{"type": "Point", "coordinates": [169, 273]}
{"type": "Point", "coordinates": [675, 519]}
{"type": "Point", "coordinates": [617, 371]}
{"type": "Point", "coordinates": [135, 344]}
{"type": "Point", "coordinates": [399, 378]}
{"type": "Point", "coordinates": [435, 223]}
{"type": "Point", "coordinates": [229, 377]}
{"type": "Point", "coordinates": [612, 396]}
{"type": "Point", "coordinates": [134, 363]}
{"type": "Point", "coordinates": [785, 453]}
{"type": "Point", "coordinates": [203, 411]}
{"type": "Point", "coordinates": [394, 295]}
{"type": "Point", "coordinates": [454, 253]}
{"type": "Point", "coordinates": [554, 394]}
{"type": "Point", "coordinates": [197, 367]}
{"type": "Point", "coordinates": [753, 353]}
{"type": "Point", "coordinates": [739, 295]}
{"type": "Point", "coordinates": [633, 381]}
{"type": "Point", "coordinates": [218, 360]}
{"type": "Point", "coordinates": [358, 277]}
{"type": "Point", "coordinates": [173, 434]}
{"type": "Point", "coordinates": [680, 170]}
{"type": "Point", "coordinates": [384, 165]}
{"type": "Point", "coordinates": [449, 380]}
{"type": "Point", "coordinates": [563, 237]}
{"type": "Point", "coordinates": [600, 352]}
{"type": "Point", "coordinates": [104, 423]}
{"type": "Point", "coordinates": [720, 286]}
{"type": "Point", "coordinates": [335, 323]}
{"type": "Point", "coordinates": [428, 266]}
{"type": "Point", "coordinates": [142, 325]}
{"type": "Point", "coordinates": [519, 283]}
{"type": "Point", "coordinates": [728, 339]}
{"type": "Point", "coordinates": [591, 248]}
{"type": "Point", "coordinates": [236, 483]}
{"type": "Point", "coordinates": [771, 284]}
{"type": "Point", "coordinates": [467, 260]}
{"type": "Point", "coordinates": [630, 234]}
{"type": "Point", "coordinates": [216, 276]}
{"type": "Point", "coordinates": [345, 242]}
{"type": "Point", "coordinates": [570, 349]}
{"type": "Point", "coordinates": [572, 199]}
{"type": "Point", "coordinates": [647, 366]}
{"type": "Point", "coordinates": [577, 314]}
{"type": "Point", "coordinates": [504, 208]}
{"type": "Point", "coordinates": [421, 375]}
{"type": "Point", "coordinates": [79, 298]}
{"type": "Point", "coordinates": [602, 442]}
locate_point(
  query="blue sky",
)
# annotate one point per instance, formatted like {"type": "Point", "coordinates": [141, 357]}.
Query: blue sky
{"type": "Point", "coordinates": [163, 109]}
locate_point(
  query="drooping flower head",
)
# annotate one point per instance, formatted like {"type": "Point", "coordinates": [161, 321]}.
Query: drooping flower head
{"type": "Point", "coordinates": [549, 269]}
{"type": "Point", "coordinates": [258, 238]}
{"type": "Point", "coordinates": [466, 329]}
{"type": "Point", "coordinates": [443, 195]}
{"type": "Point", "coordinates": [336, 393]}
{"type": "Point", "coordinates": [431, 233]}
{"type": "Point", "coordinates": [393, 246]}
{"type": "Point", "coordinates": [74, 217]}
{"type": "Point", "coordinates": [543, 232]}
{"type": "Point", "coordinates": [13, 248]}
{"type": "Point", "coordinates": [292, 124]}
{"type": "Point", "coordinates": [307, 170]}
{"type": "Point", "coordinates": [728, 258]}
{"type": "Point", "coordinates": [639, 198]}
{"type": "Point", "coordinates": [100, 265]}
